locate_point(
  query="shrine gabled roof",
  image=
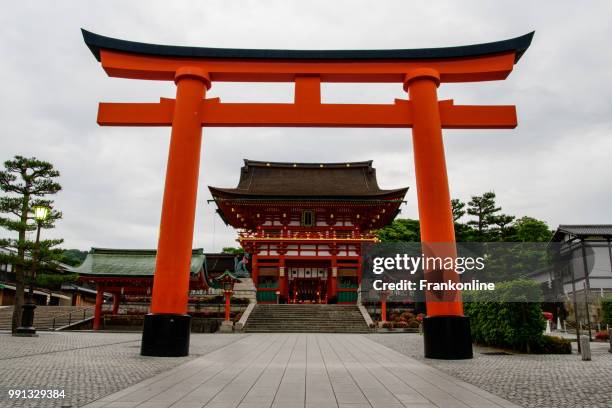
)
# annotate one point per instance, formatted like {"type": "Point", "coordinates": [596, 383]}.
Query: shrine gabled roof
{"type": "Point", "coordinates": [518, 45]}
{"type": "Point", "coordinates": [129, 262]}
{"type": "Point", "coordinates": [295, 181]}
{"type": "Point", "coordinates": [582, 231]}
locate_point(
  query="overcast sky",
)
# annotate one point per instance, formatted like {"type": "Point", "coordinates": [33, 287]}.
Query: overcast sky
{"type": "Point", "coordinates": [554, 166]}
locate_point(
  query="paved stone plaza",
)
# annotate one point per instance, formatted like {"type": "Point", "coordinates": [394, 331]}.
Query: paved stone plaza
{"type": "Point", "coordinates": [553, 381]}
{"type": "Point", "coordinates": [87, 366]}
{"type": "Point", "coordinates": [292, 370]}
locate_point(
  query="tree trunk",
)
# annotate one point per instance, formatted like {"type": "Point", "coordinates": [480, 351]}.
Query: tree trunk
{"type": "Point", "coordinates": [19, 268]}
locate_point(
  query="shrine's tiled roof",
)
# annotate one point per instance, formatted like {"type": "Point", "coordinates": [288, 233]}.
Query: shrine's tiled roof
{"type": "Point", "coordinates": [129, 262]}
{"type": "Point", "coordinates": [260, 179]}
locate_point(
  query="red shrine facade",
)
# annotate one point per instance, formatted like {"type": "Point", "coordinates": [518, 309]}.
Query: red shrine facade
{"type": "Point", "coordinates": [303, 225]}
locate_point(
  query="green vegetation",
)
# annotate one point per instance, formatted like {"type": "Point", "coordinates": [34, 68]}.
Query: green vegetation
{"type": "Point", "coordinates": [606, 309]}
{"type": "Point", "coordinates": [510, 319]}
{"type": "Point", "coordinates": [54, 280]}
{"type": "Point", "coordinates": [231, 250]}
{"type": "Point", "coordinates": [26, 182]}
{"type": "Point", "coordinates": [487, 224]}
{"type": "Point", "coordinates": [72, 257]}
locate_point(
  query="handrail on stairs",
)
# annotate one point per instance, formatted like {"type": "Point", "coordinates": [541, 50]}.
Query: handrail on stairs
{"type": "Point", "coordinates": [84, 310]}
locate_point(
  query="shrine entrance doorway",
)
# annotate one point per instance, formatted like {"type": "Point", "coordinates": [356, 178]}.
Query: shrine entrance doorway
{"type": "Point", "coordinates": [308, 283]}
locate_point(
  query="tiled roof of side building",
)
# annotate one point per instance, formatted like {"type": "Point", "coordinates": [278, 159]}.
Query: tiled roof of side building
{"type": "Point", "coordinates": [307, 180]}
{"type": "Point", "coordinates": [583, 230]}
{"type": "Point", "coordinates": [129, 262]}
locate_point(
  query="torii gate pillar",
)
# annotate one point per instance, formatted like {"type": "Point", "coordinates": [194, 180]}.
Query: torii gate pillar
{"type": "Point", "coordinates": [167, 328]}
{"type": "Point", "coordinates": [446, 331]}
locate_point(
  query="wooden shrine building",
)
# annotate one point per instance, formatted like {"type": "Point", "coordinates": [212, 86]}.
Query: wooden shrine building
{"type": "Point", "coordinates": [304, 223]}
{"type": "Point", "coordinates": [128, 274]}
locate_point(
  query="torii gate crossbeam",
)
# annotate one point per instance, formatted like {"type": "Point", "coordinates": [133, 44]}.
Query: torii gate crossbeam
{"type": "Point", "coordinates": [193, 69]}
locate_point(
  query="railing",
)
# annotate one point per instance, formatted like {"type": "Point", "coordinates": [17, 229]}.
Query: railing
{"type": "Point", "coordinates": [347, 286]}
{"type": "Point", "coordinates": [70, 314]}
{"type": "Point", "coordinates": [314, 235]}
{"type": "Point", "coordinates": [272, 285]}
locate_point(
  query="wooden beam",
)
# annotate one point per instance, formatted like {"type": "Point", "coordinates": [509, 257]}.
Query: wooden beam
{"type": "Point", "coordinates": [305, 113]}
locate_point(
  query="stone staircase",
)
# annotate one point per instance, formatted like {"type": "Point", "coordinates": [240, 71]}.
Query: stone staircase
{"type": "Point", "coordinates": [306, 319]}
{"type": "Point", "coordinates": [49, 317]}
{"type": "Point", "coordinates": [245, 289]}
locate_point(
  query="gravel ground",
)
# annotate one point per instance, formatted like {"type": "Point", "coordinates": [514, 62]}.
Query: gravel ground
{"type": "Point", "coordinates": [556, 381]}
{"type": "Point", "coordinates": [86, 366]}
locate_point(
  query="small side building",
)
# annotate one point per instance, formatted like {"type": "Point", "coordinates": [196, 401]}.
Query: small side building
{"type": "Point", "coordinates": [129, 272]}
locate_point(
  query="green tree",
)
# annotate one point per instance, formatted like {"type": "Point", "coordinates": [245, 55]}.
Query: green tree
{"type": "Point", "coordinates": [483, 208]}
{"type": "Point", "coordinates": [400, 230]}
{"type": "Point", "coordinates": [501, 225]}
{"type": "Point", "coordinates": [529, 229]}
{"type": "Point", "coordinates": [72, 257]}
{"type": "Point", "coordinates": [26, 181]}
{"type": "Point", "coordinates": [458, 207]}
{"type": "Point", "coordinates": [232, 250]}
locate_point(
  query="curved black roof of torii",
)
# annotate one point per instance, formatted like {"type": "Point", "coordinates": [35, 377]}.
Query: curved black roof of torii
{"type": "Point", "coordinates": [518, 45]}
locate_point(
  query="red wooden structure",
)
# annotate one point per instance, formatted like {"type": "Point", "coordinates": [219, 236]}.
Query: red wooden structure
{"type": "Point", "coordinates": [304, 223]}
{"type": "Point", "coordinates": [194, 70]}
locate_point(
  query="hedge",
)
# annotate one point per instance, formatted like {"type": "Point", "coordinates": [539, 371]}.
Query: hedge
{"type": "Point", "coordinates": [504, 318]}
{"type": "Point", "coordinates": [606, 308]}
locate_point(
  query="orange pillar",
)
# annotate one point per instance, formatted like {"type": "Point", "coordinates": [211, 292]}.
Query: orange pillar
{"type": "Point", "coordinates": [447, 332]}
{"type": "Point", "coordinates": [116, 299]}
{"type": "Point", "coordinates": [98, 307]}
{"type": "Point", "coordinates": [282, 278]}
{"type": "Point", "coordinates": [227, 306]}
{"type": "Point", "coordinates": [332, 288]}
{"type": "Point", "coordinates": [254, 268]}
{"type": "Point", "coordinates": [383, 308]}
{"type": "Point", "coordinates": [166, 330]}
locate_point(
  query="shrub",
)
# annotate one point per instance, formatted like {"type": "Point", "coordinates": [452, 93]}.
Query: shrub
{"type": "Point", "coordinates": [602, 335]}
{"type": "Point", "coordinates": [387, 325]}
{"type": "Point", "coordinates": [606, 308]}
{"type": "Point", "coordinates": [400, 325]}
{"type": "Point", "coordinates": [414, 324]}
{"type": "Point", "coordinates": [407, 316]}
{"type": "Point", "coordinates": [504, 318]}
{"type": "Point", "coordinates": [552, 345]}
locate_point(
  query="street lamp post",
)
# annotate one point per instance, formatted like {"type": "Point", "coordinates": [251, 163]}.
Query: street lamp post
{"type": "Point", "coordinates": [27, 328]}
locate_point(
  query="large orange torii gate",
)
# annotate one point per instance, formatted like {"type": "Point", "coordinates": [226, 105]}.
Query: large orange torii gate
{"type": "Point", "coordinates": [194, 69]}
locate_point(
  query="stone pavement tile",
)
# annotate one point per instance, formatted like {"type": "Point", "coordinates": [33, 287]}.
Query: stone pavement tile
{"type": "Point", "coordinates": [397, 387]}
{"type": "Point", "coordinates": [87, 366]}
{"type": "Point", "coordinates": [374, 391]}
{"type": "Point", "coordinates": [207, 390]}
{"type": "Point", "coordinates": [529, 380]}
{"type": "Point", "coordinates": [234, 391]}
{"type": "Point", "coordinates": [319, 390]}
{"type": "Point", "coordinates": [347, 392]}
{"type": "Point", "coordinates": [303, 370]}
{"type": "Point", "coordinates": [291, 391]}
{"type": "Point", "coordinates": [438, 387]}
{"type": "Point", "coordinates": [262, 393]}
{"type": "Point", "coordinates": [169, 388]}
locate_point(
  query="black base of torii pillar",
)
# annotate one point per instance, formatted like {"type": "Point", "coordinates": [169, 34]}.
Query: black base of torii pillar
{"type": "Point", "coordinates": [447, 337]}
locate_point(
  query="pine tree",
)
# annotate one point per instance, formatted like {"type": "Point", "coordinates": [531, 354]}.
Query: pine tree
{"type": "Point", "coordinates": [26, 181]}
{"type": "Point", "coordinates": [483, 208]}
{"type": "Point", "coordinates": [458, 207]}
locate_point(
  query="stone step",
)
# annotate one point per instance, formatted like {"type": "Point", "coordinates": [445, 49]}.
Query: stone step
{"type": "Point", "coordinates": [306, 319]}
